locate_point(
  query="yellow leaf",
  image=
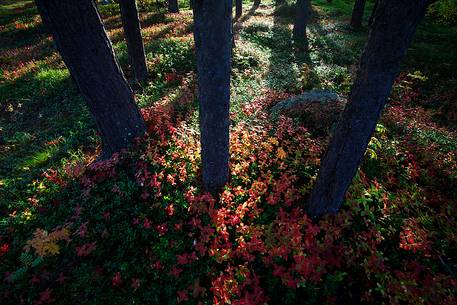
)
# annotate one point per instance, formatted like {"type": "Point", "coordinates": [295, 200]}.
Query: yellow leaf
{"type": "Point", "coordinates": [41, 186]}
{"type": "Point", "coordinates": [52, 248]}
{"type": "Point", "coordinates": [45, 243]}
{"type": "Point", "coordinates": [281, 153]}
{"type": "Point", "coordinates": [273, 141]}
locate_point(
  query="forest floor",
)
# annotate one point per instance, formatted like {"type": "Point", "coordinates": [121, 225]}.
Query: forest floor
{"type": "Point", "coordinates": [136, 229]}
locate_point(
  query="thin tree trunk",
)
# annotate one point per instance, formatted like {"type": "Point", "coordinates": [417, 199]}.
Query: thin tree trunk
{"type": "Point", "coordinates": [357, 14]}
{"type": "Point", "coordinates": [173, 6]}
{"type": "Point", "coordinates": [132, 32]}
{"type": "Point", "coordinates": [238, 8]}
{"type": "Point", "coordinates": [370, 21]}
{"type": "Point", "coordinates": [213, 42]}
{"type": "Point", "coordinates": [302, 13]}
{"type": "Point", "coordinates": [388, 41]}
{"type": "Point", "coordinates": [81, 39]}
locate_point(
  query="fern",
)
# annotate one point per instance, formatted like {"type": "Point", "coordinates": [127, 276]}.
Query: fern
{"type": "Point", "coordinates": [26, 259]}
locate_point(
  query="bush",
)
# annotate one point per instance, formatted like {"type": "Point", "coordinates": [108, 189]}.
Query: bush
{"type": "Point", "coordinates": [444, 11]}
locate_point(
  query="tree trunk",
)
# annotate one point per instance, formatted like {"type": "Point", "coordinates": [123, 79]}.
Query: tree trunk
{"type": "Point", "coordinates": [81, 39]}
{"type": "Point", "coordinates": [302, 12]}
{"type": "Point", "coordinates": [388, 41]}
{"type": "Point", "coordinates": [173, 6]}
{"type": "Point", "coordinates": [132, 32]}
{"type": "Point", "coordinates": [213, 43]}
{"type": "Point", "coordinates": [357, 14]}
{"type": "Point", "coordinates": [238, 8]}
{"type": "Point", "coordinates": [370, 21]}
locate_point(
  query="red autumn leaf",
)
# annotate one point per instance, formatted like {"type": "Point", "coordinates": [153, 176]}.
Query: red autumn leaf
{"type": "Point", "coordinates": [135, 284]}
{"type": "Point", "coordinates": [182, 296]}
{"type": "Point", "coordinates": [117, 279]}
{"type": "Point", "coordinates": [45, 297]}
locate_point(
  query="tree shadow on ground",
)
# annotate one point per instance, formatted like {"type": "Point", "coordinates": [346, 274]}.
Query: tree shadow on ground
{"type": "Point", "coordinates": [336, 43]}
{"type": "Point", "coordinates": [290, 67]}
{"type": "Point", "coordinates": [238, 21]}
{"type": "Point", "coordinates": [40, 129]}
{"type": "Point", "coordinates": [16, 9]}
{"type": "Point", "coordinates": [45, 122]}
{"type": "Point", "coordinates": [150, 19]}
{"type": "Point", "coordinates": [21, 34]}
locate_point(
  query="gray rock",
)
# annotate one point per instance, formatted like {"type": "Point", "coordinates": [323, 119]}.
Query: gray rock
{"type": "Point", "coordinates": [313, 96]}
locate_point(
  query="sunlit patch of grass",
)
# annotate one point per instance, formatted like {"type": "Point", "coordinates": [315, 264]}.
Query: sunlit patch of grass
{"type": "Point", "coordinates": [122, 56]}
{"type": "Point", "coordinates": [169, 55]}
{"type": "Point", "coordinates": [107, 10]}
{"type": "Point", "coordinates": [243, 92]}
{"type": "Point", "coordinates": [40, 158]}
{"type": "Point", "coordinates": [334, 77]}
{"type": "Point", "coordinates": [52, 79]}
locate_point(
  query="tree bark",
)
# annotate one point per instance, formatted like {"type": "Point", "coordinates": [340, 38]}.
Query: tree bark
{"type": "Point", "coordinates": [81, 39]}
{"type": "Point", "coordinates": [173, 6]}
{"type": "Point", "coordinates": [302, 13]}
{"type": "Point", "coordinates": [357, 14]}
{"type": "Point", "coordinates": [132, 32]}
{"type": "Point", "coordinates": [238, 8]}
{"type": "Point", "coordinates": [213, 43]}
{"type": "Point", "coordinates": [388, 41]}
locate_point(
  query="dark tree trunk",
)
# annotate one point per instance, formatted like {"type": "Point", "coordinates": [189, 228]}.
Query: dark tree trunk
{"type": "Point", "coordinates": [173, 6]}
{"type": "Point", "coordinates": [370, 21]}
{"type": "Point", "coordinates": [81, 39]}
{"type": "Point", "coordinates": [132, 32]}
{"type": "Point", "coordinates": [213, 43]}
{"type": "Point", "coordinates": [357, 14]}
{"type": "Point", "coordinates": [302, 13]}
{"type": "Point", "coordinates": [388, 41]}
{"type": "Point", "coordinates": [238, 8]}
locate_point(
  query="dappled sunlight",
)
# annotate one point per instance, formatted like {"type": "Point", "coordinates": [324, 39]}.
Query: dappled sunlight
{"type": "Point", "coordinates": [28, 53]}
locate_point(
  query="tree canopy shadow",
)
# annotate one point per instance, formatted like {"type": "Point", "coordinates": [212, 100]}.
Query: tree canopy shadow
{"type": "Point", "coordinates": [243, 18]}
{"type": "Point", "coordinates": [150, 19]}
{"type": "Point", "coordinates": [40, 129]}
{"type": "Point", "coordinates": [336, 43]}
{"type": "Point", "coordinates": [290, 68]}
